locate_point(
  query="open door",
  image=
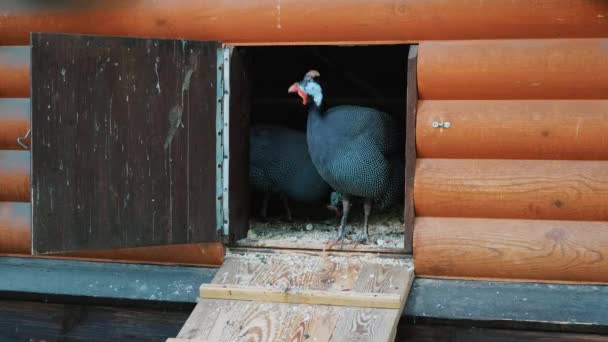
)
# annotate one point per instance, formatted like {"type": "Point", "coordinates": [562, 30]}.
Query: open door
{"type": "Point", "coordinates": [125, 147]}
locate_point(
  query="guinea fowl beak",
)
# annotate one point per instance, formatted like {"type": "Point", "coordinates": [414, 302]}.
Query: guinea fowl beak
{"type": "Point", "coordinates": [295, 88]}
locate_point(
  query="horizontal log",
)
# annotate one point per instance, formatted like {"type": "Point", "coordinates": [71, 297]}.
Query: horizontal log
{"type": "Point", "coordinates": [514, 69]}
{"type": "Point", "coordinates": [566, 251]}
{"type": "Point", "coordinates": [14, 176]}
{"type": "Point", "coordinates": [14, 123]}
{"type": "Point", "coordinates": [15, 223]}
{"type": "Point", "coordinates": [513, 129]}
{"type": "Point", "coordinates": [14, 71]}
{"type": "Point", "coordinates": [523, 189]}
{"type": "Point", "coordinates": [310, 21]}
{"type": "Point", "coordinates": [15, 239]}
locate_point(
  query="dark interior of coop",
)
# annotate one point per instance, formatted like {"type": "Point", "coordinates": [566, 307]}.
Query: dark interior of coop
{"type": "Point", "coordinates": [372, 76]}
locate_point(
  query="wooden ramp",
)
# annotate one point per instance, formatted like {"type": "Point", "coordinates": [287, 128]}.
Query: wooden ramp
{"type": "Point", "coordinates": [265, 295]}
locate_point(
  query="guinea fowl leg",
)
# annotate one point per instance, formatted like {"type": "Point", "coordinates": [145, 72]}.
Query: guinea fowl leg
{"type": "Point", "coordinates": [345, 211]}
{"type": "Point", "coordinates": [264, 210]}
{"type": "Point", "coordinates": [367, 208]}
{"type": "Point", "coordinates": [286, 205]}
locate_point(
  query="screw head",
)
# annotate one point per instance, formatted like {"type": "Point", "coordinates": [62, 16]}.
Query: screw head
{"type": "Point", "coordinates": [447, 124]}
{"type": "Point", "coordinates": [435, 124]}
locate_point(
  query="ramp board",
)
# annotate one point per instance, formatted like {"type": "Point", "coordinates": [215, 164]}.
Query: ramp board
{"type": "Point", "coordinates": [265, 295]}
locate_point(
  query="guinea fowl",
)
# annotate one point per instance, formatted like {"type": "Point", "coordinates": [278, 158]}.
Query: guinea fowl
{"type": "Point", "coordinates": [279, 162]}
{"type": "Point", "coordinates": [357, 150]}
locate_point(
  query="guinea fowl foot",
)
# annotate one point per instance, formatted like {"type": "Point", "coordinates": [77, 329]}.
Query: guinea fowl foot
{"type": "Point", "coordinates": [338, 239]}
{"type": "Point", "coordinates": [363, 239]}
{"type": "Point", "coordinates": [342, 228]}
{"type": "Point", "coordinates": [288, 218]}
{"type": "Point", "coordinates": [367, 209]}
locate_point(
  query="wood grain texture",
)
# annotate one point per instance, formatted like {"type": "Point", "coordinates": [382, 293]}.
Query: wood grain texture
{"type": "Point", "coordinates": [301, 296]}
{"type": "Point", "coordinates": [237, 320]}
{"type": "Point", "coordinates": [565, 251]}
{"type": "Point", "coordinates": [15, 223]}
{"type": "Point", "coordinates": [514, 69]}
{"type": "Point", "coordinates": [312, 21]}
{"type": "Point", "coordinates": [410, 147]}
{"type": "Point", "coordinates": [14, 123]}
{"type": "Point", "coordinates": [522, 189]}
{"type": "Point", "coordinates": [128, 159]}
{"type": "Point", "coordinates": [14, 71]}
{"type": "Point", "coordinates": [14, 176]}
{"type": "Point", "coordinates": [320, 246]}
{"type": "Point", "coordinates": [514, 129]}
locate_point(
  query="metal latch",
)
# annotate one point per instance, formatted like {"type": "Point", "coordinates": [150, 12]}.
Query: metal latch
{"type": "Point", "coordinates": [437, 124]}
{"type": "Point", "coordinates": [24, 138]}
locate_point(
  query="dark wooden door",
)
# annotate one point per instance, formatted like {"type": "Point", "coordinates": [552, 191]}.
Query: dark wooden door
{"type": "Point", "coordinates": [123, 142]}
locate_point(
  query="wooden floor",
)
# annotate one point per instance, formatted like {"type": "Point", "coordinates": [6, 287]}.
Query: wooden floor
{"type": "Point", "coordinates": [35, 321]}
{"type": "Point", "coordinates": [304, 280]}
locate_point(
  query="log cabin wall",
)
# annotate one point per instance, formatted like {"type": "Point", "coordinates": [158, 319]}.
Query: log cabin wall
{"type": "Point", "coordinates": [517, 186]}
{"type": "Point", "coordinates": [551, 126]}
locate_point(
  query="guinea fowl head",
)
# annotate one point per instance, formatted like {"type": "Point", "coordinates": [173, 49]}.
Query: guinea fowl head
{"type": "Point", "coordinates": [309, 86]}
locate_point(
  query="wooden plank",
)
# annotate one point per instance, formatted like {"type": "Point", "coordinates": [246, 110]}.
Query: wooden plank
{"type": "Point", "coordinates": [14, 123]}
{"type": "Point", "coordinates": [521, 189]}
{"type": "Point", "coordinates": [532, 250]}
{"type": "Point", "coordinates": [14, 71]}
{"type": "Point", "coordinates": [34, 321]}
{"type": "Point", "coordinates": [313, 21]}
{"type": "Point", "coordinates": [410, 147]}
{"type": "Point", "coordinates": [514, 69]}
{"type": "Point", "coordinates": [14, 176]}
{"type": "Point", "coordinates": [315, 271]}
{"type": "Point", "coordinates": [300, 296]}
{"type": "Point", "coordinates": [509, 305]}
{"type": "Point", "coordinates": [131, 162]}
{"type": "Point", "coordinates": [514, 129]}
{"type": "Point", "coordinates": [234, 320]}
{"type": "Point", "coordinates": [389, 322]}
{"type": "Point", "coordinates": [301, 272]}
{"type": "Point", "coordinates": [322, 245]}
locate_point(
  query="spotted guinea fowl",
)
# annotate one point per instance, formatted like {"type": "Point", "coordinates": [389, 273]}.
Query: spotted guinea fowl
{"type": "Point", "coordinates": [357, 150]}
{"type": "Point", "coordinates": [279, 163]}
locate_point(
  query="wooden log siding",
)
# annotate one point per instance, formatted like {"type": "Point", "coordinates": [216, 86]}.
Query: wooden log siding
{"type": "Point", "coordinates": [15, 225]}
{"type": "Point", "coordinates": [311, 21]}
{"type": "Point", "coordinates": [524, 195]}
{"type": "Point", "coordinates": [514, 69]}
{"type": "Point", "coordinates": [514, 129]}
{"type": "Point", "coordinates": [15, 239]}
{"type": "Point", "coordinates": [14, 123]}
{"type": "Point", "coordinates": [516, 189]}
{"type": "Point", "coordinates": [533, 250]}
{"type": "Point", "coordinates": [14, 71]}
{"type": "Point", "coordinates": [14, 176]}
